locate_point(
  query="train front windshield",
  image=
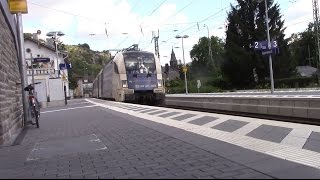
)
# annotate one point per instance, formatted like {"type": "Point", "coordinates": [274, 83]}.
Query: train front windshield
{"type": "Point", "coordinates": [140, 63]}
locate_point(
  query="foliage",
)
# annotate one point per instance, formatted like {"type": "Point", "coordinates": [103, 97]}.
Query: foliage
{"type": "Point", "coordinates": [27, 35]}
{"type": "Point", "coordinates": [303, 47]}
{"type": "Point", "coordinates": [178, 86]}
{"type": "Point", "coordinates": [202, 65]}
{"type": "Point", "coordinates": [72, 80]}
{"type": "Point", "coordinates": [246, 25]}
{"type": "Point", "coordinates": [85, 62]}
{"type": "Point", "coordinates": [295, 82]}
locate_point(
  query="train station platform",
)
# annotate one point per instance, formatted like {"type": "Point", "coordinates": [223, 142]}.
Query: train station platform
{"type": "Point", "coordinates": [304, 106]}
{"type": "Point", "coordinates": [101, 139]}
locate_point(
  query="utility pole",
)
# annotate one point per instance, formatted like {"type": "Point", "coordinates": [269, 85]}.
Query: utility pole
{"type": "Point", "coordinates": [210, 49]}
{"type": "Point", "coordinates": [315, 6]}
{"type": "Point", "coordinates": [184, 62]}
{"type": "Point", "coordinates": [23, 68]}
{"type": "Point", "coordinates": [269, 47]}
{"type": "Point", "coordinates": [156, 43]}
{"type": "Point", "coordinates": [18, 8]}
{"type": "Point", "coordinates": [309, 58]}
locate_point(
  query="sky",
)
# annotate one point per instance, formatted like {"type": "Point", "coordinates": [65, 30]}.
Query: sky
{"type": "Point", "coordinates": [118, 24]}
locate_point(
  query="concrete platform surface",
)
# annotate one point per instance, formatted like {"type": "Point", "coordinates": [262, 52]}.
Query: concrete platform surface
{"type": "Point", "coordinates": [101, 139]}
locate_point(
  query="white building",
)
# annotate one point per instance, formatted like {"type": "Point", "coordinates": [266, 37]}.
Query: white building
{"type": "Point", "coordinates": [49, 70]}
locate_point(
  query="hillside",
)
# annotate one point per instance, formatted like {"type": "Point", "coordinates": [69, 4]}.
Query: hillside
{"type": "Point", "coordinates": [86, 63]}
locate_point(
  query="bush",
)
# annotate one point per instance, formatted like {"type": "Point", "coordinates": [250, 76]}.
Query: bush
{"type": "Point", "coordinates": [295, 82]}
{"type": "Point", "coordinates": [178, 87]}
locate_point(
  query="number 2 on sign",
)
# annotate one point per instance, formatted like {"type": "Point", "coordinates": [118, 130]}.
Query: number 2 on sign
{"type": "Point", "coordinates": [256, 45]}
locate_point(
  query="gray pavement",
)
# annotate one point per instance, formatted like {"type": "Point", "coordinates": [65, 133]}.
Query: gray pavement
{"type": "Point", "coordinates": [94, 142]}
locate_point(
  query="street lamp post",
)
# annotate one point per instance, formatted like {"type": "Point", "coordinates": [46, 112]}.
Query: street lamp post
{"type": "Point", "coordinates": [184, 62]}
{"type": "Point", "coordinates": [55, 35]}
{"type": "Point", "coordinates": [269, 45]}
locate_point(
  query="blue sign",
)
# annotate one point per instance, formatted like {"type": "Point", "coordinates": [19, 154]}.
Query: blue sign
{"type": "Point", "coordinates": [263, 45]}
{"type": "Point", "coordinates": [267, 52]}
{"type": "Point", "coordinates": [65, 66]}
{"type": "Point", "coordinates": [142, 82]}
{"type": "Point", "coordinates": [41, 59]}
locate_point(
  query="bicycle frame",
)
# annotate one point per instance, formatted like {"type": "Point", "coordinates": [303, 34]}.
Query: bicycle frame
{"type": "Point", "coordinates": [34, 106]}
{"type": "Point", "coordinates": [32, 100]}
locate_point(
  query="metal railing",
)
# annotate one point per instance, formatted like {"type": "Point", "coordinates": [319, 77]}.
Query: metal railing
{"type": "Point", "coordinates": [42, 71]}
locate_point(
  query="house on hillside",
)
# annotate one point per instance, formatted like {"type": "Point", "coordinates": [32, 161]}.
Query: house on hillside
{"type": "Point", "coordinates": [50, 69]}
{"type": "Point", "coordinates": [307, 71]}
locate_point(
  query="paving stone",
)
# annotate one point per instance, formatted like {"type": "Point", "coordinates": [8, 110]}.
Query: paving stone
{"type": "Point", "coordinates": [312, 145]}
{"type": "Point", "coordinates": [270, 133]}
{"type": "Point", "coordinates": [169, 114]}
{"type": "Point", "coordinates": [158, 112]}
{"type": "Point", "coordinates": [315, 136]}
{"type": "Point", "coordinates": [183, 117]}
{"type": "Point", "coordinates": [134, 150]}
{"type": "Point", "coordinates": [230, 125]}
{"type": "Point", "coordinates": [203, 120]}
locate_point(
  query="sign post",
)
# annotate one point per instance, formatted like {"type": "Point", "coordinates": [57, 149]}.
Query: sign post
{"type": "Point", "coordinates": [20, 7]}
{"type": "Point", "coordinates": [268, 48]}
{"type": "Point", "coordinates": [185, 69]}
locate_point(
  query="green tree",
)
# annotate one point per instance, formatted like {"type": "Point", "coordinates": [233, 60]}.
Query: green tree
{"type": "Point", "coordinates": [85, 62]}
{"type": "Point", "coordinates": [202, 65]}
{"type": "Point", "coordinates": [303, 47]}
{"type": "Point", "coordinates": [247, 25]}
{"type": "Point", "coordinates": [85, 46]}
{"type": "Point", "coordinates": [27, 35]}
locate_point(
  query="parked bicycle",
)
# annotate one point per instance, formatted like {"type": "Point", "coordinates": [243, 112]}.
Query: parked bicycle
{"type": "Point", "coordinates": [33, 105]}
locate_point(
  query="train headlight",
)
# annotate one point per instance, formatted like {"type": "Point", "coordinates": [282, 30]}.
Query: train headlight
{"type": "Point", "coordinates": [159, 82]}
{"type": "Point", "coordinates": [124, 83]}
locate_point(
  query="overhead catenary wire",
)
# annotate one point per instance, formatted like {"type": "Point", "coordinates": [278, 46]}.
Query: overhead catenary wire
{"type": "Point", "coordinates": [157, 7]}
{"type": "Point", "coordinates": [136, 4]}
{"type": "Point", "coordinates": [90, 18]}
{"type": "Point", "coordinates": [195, 24]}
{"type": "Point", "coordinates": [151, 13]}
{"type": "Point", "coordinates": [65, 12]}
{"type": "Point", "coordinates": [140, 26]}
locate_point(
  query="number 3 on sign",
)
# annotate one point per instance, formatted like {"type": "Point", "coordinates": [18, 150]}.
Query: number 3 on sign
{"type": "Point", "coordinates": [275, 44]}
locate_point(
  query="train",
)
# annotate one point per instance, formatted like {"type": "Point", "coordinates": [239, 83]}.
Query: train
{"type": "Point", "coordinates": [132, 76]}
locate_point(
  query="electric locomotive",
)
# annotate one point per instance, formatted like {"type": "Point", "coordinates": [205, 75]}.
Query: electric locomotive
{"type": "Point", "coordinates": [132, 76]}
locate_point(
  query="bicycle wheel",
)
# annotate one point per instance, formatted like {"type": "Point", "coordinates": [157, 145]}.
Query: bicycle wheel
{"type": "Point", "coordinates": [36, 115]}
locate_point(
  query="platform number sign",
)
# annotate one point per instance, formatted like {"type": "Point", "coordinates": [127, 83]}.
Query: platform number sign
{"type": "Point", "coordinates": [263, 47]}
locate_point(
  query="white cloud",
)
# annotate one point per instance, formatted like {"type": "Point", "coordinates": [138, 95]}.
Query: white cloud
{"type": "Point", "coordinates": [298, 16]}
{"type": "Point", "coordinates": [117, 15]}
{"type": "Point", "coordinates": [92, 16]}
